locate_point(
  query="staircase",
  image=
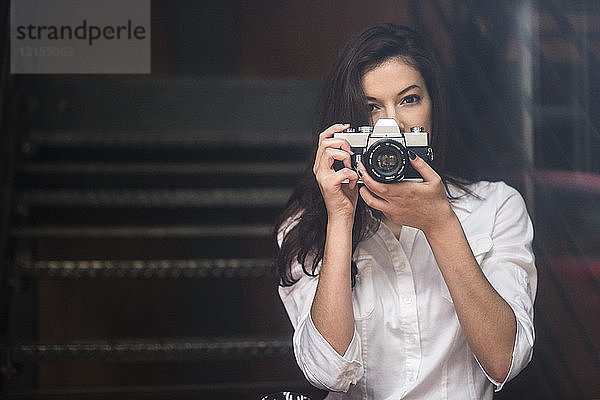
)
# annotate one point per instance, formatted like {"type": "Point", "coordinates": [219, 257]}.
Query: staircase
{"type": "Point", "coordinates": [141, 237]}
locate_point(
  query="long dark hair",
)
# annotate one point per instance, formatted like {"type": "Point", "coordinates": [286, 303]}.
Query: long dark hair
{"type": "Point", "coordinates": [300, 230]}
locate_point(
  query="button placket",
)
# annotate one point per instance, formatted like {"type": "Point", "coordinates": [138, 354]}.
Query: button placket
{"type": "Point", "coordinates": [407, 304]}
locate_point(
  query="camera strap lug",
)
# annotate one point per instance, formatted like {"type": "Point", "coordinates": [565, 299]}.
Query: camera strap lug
{"type": "Point", "coordinates": [430, 153]}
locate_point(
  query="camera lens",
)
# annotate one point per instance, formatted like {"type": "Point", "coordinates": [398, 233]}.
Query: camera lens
{"type": "Point", "coordinates": [386, 161]}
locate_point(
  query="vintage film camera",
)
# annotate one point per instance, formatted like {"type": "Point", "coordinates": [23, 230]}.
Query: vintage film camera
{"type": "Point", "coordinates": [383, 150]}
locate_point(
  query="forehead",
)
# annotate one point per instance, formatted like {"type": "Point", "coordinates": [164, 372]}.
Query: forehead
{"type": "Point", "coordinates": [394, 73]}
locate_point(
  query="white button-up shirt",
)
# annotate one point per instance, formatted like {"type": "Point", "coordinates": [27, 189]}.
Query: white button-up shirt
{"type": "Point", "coordinates": [408, 342]}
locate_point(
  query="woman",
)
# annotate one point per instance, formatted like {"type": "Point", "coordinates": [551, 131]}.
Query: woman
{"type": "Point", "coordinates": [405, 290]}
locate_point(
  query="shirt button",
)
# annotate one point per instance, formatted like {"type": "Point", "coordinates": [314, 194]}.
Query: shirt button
{"type": "Point", "coordinates": [407, 300]}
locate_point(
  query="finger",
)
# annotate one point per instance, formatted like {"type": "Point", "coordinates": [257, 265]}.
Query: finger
{"type": "Point", "coordinates": [337, 154]}
{"type": "Point", "coordinates": [340, 144]}
{"type": "Point", "coordinates": [428, 173]}
{"type": "Point", "coordinates": [353, 180]}
{"type": "Point", "coordinates": [372, 184]}
{"type": "Point", "coordinates": [327, 133]}
{"type": "Point", "coordinates": [372, 200]}
{"type": "Point", "coordinates": [340, 176]}
{"type": "Point", "coordinates": [328, 157]}
{"type": "Point", "coordinates": [337, 143]}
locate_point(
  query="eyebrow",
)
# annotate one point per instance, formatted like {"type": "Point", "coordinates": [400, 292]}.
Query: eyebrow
{"type": "Point", "coordinates": [401, 92]}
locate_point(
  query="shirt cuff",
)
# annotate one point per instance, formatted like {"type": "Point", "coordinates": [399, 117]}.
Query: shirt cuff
{"type": "Point", "coordinates": [521, 356]}
{"type": "Point", "coordinates": [322, 365]}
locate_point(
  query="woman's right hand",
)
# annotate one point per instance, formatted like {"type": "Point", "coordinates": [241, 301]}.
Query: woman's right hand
{"type": "Point", "coordinates": [340, 198]}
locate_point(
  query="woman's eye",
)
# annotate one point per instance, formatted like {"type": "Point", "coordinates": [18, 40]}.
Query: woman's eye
{"type": "Point", "coordinates": [413, 98]}
{"type": "Point", "coordinates": [373, 107]}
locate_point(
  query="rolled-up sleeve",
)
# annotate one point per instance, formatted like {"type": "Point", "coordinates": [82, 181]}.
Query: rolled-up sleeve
{"type": "Point", "coordinates": [322, 366]}
{"type": "Point", "coordinates": [510, 268]}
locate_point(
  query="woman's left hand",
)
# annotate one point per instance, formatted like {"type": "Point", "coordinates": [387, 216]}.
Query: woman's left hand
{"type": "Point", "coordinates": [422, 205]}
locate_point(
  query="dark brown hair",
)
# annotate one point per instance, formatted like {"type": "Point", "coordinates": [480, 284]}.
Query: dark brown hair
{"type": "Point", "coordinates": [300, 230]}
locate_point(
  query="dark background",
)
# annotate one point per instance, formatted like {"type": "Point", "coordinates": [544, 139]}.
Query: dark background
{"type": "Point", "coordinates": [215, 137]}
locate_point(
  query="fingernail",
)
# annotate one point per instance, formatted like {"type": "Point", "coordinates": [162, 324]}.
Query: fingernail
{"type": "Point", "coordinates": [412, 155]}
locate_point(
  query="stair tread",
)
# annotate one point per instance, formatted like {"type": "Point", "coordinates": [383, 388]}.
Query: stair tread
{"type": "Point", "coordinates": [168, 268]}
{"type": "Point", "coordinates": [216, 197]}
{"type": "Point", "coordinates": [171, 168]}
{"type": "Point", "coordinates": [167, 138]}
{"type": "Point", "coordinates": [164, 349]}
{"type": "Point", "coordinates": [179, 231]}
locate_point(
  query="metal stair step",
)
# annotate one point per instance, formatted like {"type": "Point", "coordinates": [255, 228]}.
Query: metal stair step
{"type": "Point", "coordinates": [147, 269]}
{"type": "Point", "coordinates": [172, 103]}
{"type": "Point", "coordinates": [68, 138]}
{"type": "Point", "coordinates": [262, 197]}
{"type": "Point", "coordinates": [222, 390]}
{"type": "Point", "coordinates": [153, 350]}
{"type": "Point", "coordinates": [173, 168]}
{"type": "Point", "coordinates": [155, 232]}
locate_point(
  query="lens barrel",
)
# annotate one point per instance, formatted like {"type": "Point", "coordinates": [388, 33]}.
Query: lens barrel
{"type": "Point", "coordinates": [386, 160]}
